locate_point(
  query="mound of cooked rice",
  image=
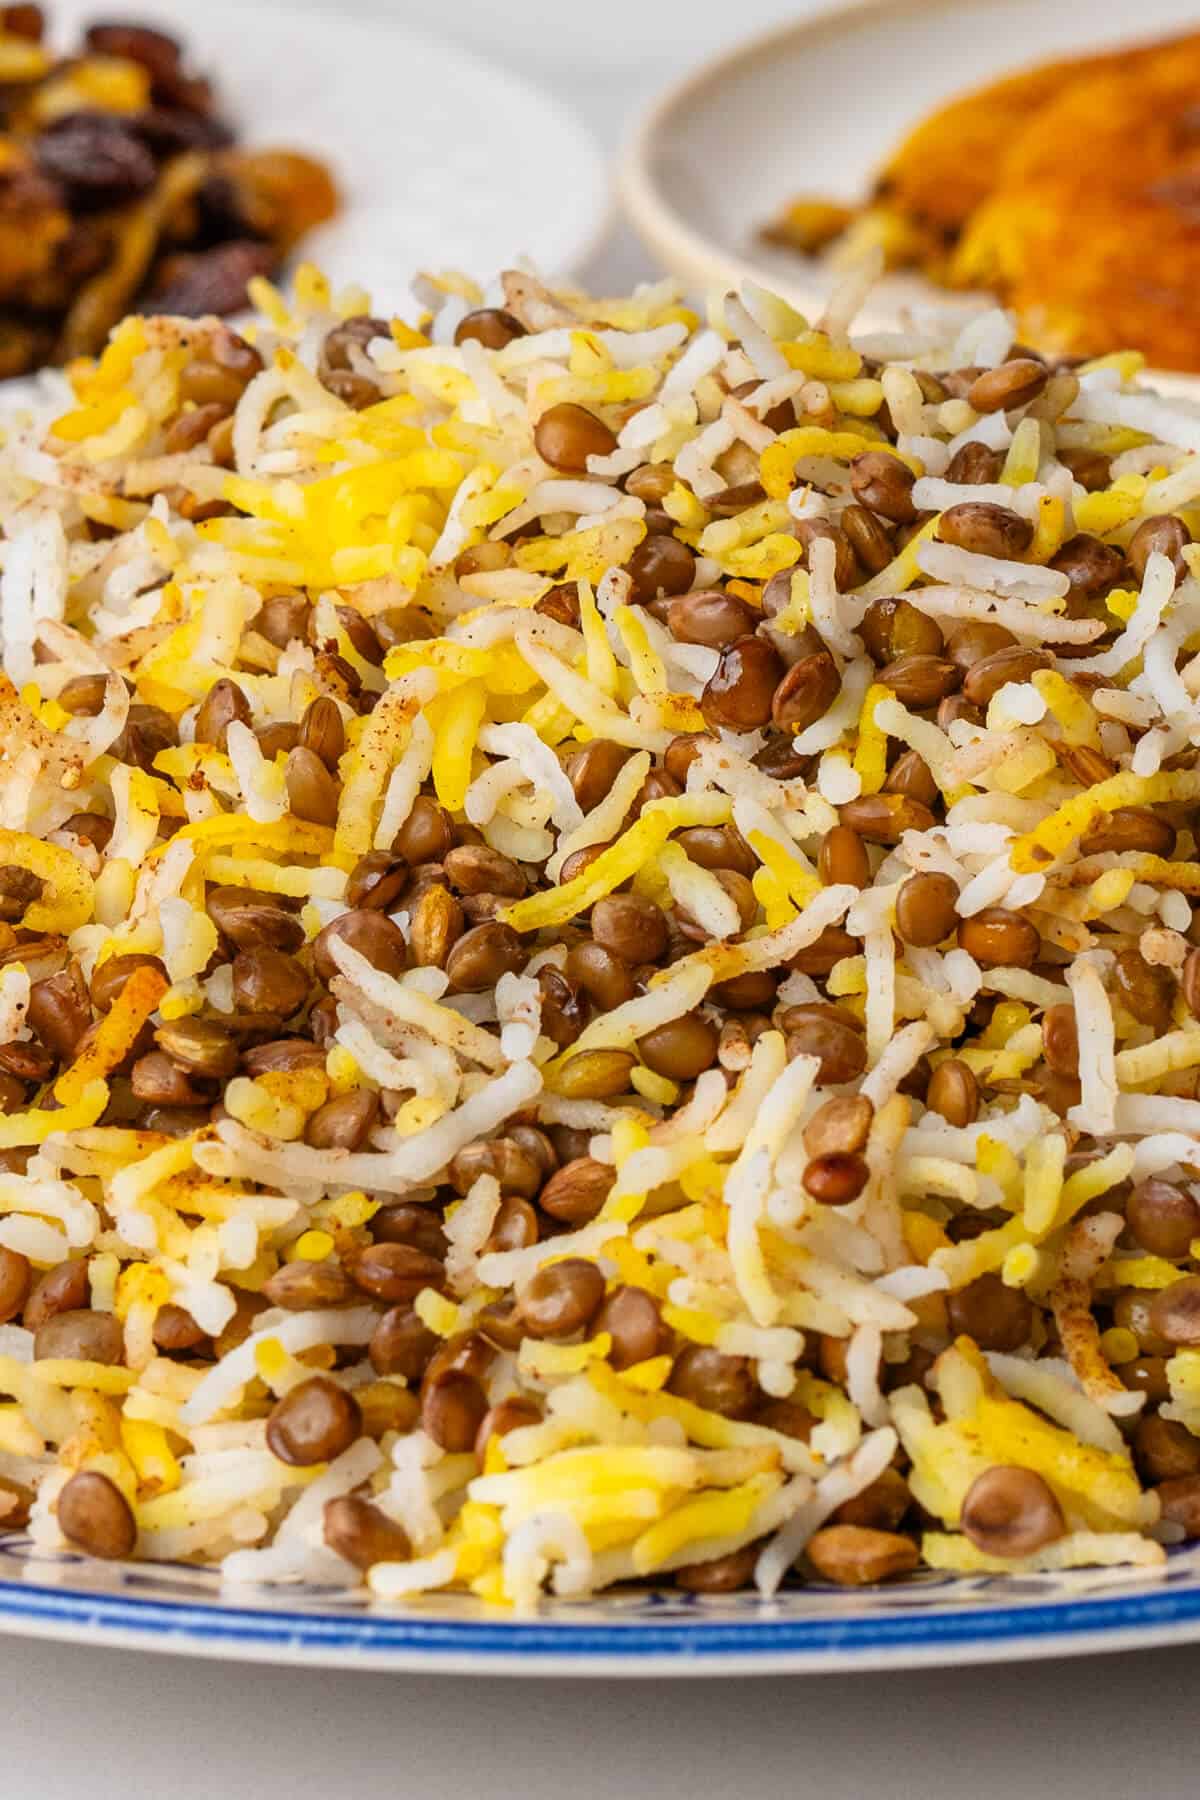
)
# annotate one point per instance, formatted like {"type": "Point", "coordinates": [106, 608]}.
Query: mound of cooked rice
{"type": "Point", "coordinates": [596, 948]}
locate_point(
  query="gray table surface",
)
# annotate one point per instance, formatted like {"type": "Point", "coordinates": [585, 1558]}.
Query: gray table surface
{"type": "Point", "coordinates": [102, 1724]}
{"type": "Point", "coordinates": [98, 1724]}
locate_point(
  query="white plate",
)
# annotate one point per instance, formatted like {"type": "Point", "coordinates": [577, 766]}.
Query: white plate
{"type": "Point", "coordinates": [443, 160]}
{"type": "Point", "coordinates": [815, 107]}
{"type": "Point", "coordinates": [929, 1621]}
{"type": "Point", "coordinates": [340, 88]}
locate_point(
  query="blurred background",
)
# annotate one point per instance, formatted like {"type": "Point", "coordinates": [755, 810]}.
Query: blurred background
{"type": "Point", "coordinates": [605, 57]}
{"type": "Point", "coordinates": [604, 60]}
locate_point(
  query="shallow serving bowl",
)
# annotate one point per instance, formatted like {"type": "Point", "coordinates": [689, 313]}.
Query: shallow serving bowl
{"type": "Point", "coordinates": [815, 107]}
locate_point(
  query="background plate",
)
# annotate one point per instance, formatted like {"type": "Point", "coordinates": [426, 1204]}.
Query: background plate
{"type": "Point", "coordinates": [815, 107]}
{"type": "Point", "coordinates": [926, 1622]}
{"type": "Point", "coordinates": [443, 160]}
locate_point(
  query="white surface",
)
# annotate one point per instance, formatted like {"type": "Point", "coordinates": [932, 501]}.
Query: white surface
{"type": "Point", "coordinates": [104, 1725]}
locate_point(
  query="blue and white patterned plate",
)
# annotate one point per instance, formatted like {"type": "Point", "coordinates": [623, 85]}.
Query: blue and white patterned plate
{"type": "Point", "coordinates": [927, 1621]}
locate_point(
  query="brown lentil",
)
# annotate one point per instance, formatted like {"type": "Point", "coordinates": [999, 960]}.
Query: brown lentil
{"type": "Point", "coordinates": [867, 537]}
{"type": "Point", "coordinates": [312, 792]}
{"type": "Point", "coordinates": [512, 1414]}
{"type": "Point", "coordinates": [296, 1286]}
{"type": "Point", "coordinates": [894, 628]}
{"type": "Point", "coordinates": [576, 1192]}
{"type": "Point", "coordinates": [371, 933]}
{"type": "Point", "coordinates": [836, 1179]}
{"type": "Point", "coordinates": [377, 880]}
{"type": "Point", "coordinates": [1011, 1512]}
{"type": "Point", "coordinates": [738, 695]}
{"type": "Point", "coordinates": [175, 1330]}
{"type": "Point", "coordinates": [806, 693]}
{"type": "Point", "coordinates": [343, 1123]}
{"type": "Point", "coordinates": [721, 1575]}
{"type": "Point", "coordinates": [1060, 1039]}
{"type": "Point", "coordinates": [830, 1034]}
{"type": "Point", "coordinates": [1143, 989]}
{"type": "Point", "coordinates": [313, 1423]}
{"type": "Point", "coordinates": [561, 1298]}
{"type": "Point", "coordinates": [1164, 1450]}
{"type": "Point", "coordinates": [1164, 1219]}
{"type": "Point", "coordinates": [1132, 1310]}
{"type": "Point", "coordinates": [974, 465]}
{"type": "Point", "coordinates": [490, 326]}
{"type": "Point", "coordinates": [61, 1289]}
{"type": "Point", "coordinates": [596, 1075]}
{"type": "Point", "coordinates": [999, 939]}
{"type": "Point", "coordinates": [846, 570]}
{"type": "Point", "coordinates": [921, 681]}
{"type": "Point", "coordinates": [953, 1092]}
{"type": "Point", "coordinates": [660, 566]}
{"type": "Point", "coordinates": [109, 977]}
{"type": "Point", "coordinates": [1179, 1499]}
{"type": "Point", "coordinates": [1091, 565]}
{"type": "Point", "coordinates": [401, 1344]}
{"type": "Point", "coordinates": [843, 858]}
{"type": "Point", "coordinates": [681, 1049]}
{"type": "Point", "coordinates": [592, 770]}
{"type": "Point", "coordinates": [1129, 828]}
{"type": "Point", "coordinates": [1009, 385]}
{"type": "Point", "coordinates": [90, 1336]}
{"type": "Point", "coordinates": [94, 1514]}
{"type": "Point", "coordinates": [478, 869]}
{"type": "Point", "coordinates": [453, 1408]}
{"type": "Point", "coordinates": [15, 1278]}
{"type": "Point", "coordinates": [927, 909]}
{"type": "Point", "coordinates": [1165, 534]}
{"type": "Point", "coordinates": [710, 617]}
{"type": "Point", "coordinates": [910, 775]}
{"type": "Point", "coordinates": [362, 1533]}
{"type": "Point", "coordinates": [884, 818]}
{"type": "Point", "coordinates": [426, 835]}
{"type": "Point", "coordinates": [854, 1556]}
{"type": "Point", "coordinates": [269, 981]}
{"type": "Point", "coordinates": [283, 619]}
{"type": "Point", "coordinates": [515, 1226]}
{"type": "Point", "coordinates": [840, 1126]}
{"type": "Point", "coordinates": [248, 919]}
{"type": "Point", "coordinates": [984, 679]}
{"type": "Point", "coordinates": [223, 703]}
{"type": "Point", "coordinates": [708, 1378]}
{"type": "Point", "coordinates": [995, 1316]}
{"type": "Point", "coordinates": [985, 529]}
{"type": "Point", "coordinates": [200, 1046]}
{"type": "Point", "coordinates": [633, 1318]}
{"type": "Point", "coordinates": [394, 1272]}
{"type": "Point", "coordinates": [566, 435]}
{"type": "Point", "coordinates": [482, 955]}
{"type": "Point", "coordinates": [883, 483]}
{"type": "Point", "coordinates": [630, 927]}
{"type": "Point", "coordinates": [60, 1011]}
{"type": "Point", "coordinates": [1175, 1311]}
{"type": "Point", "coordinates": [879, 1507]}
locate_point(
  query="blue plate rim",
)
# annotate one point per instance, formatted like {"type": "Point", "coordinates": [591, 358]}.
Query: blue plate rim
{"type": "Point", "coordinates": [710, 1644]}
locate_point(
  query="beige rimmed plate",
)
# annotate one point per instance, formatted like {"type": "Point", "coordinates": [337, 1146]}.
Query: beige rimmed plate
{"type": "Point", "coordinates": [815, 107]}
